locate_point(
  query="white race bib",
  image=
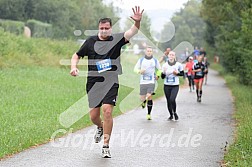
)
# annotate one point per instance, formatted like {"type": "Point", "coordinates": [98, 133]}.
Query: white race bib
{"type": "Point", "coordinates": [170, 79]}
{"type": "Point", "coordinates": [147, 77]}
{"type": "Point", "coordinates": [103, 65]}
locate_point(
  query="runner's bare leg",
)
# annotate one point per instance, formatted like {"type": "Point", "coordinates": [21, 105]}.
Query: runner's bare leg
{"type": "Point", "coordinates": [107, 122]}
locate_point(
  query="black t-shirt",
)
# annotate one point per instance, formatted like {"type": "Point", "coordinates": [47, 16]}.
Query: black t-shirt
{"type": "Point", "coordinates": [98, 50]}
{"type": "Point", "coordinates": [201, 73]}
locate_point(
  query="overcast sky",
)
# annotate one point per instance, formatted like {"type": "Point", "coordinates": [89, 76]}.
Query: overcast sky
{"type": "Point", "coordinates": [159, 11]}
{"type": "Point", "coordinates": [149, 5]}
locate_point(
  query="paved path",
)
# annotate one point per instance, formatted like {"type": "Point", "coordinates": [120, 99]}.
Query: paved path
{"type": "Point", "coordinates": [196, 140]}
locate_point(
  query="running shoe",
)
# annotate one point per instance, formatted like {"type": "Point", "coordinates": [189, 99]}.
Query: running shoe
{"type": "Point", "coordinates": [176, 116]}
{"type": "Point", "coordinates": [98, 135]}
{"type": "Point", "coordinates": [106, 152]}
{"type": "Point", "coordinates": [199, 99]}
{"type": "Point", "coordinates": [148, 117]}
{"type": "Point", "coordinates": [143, 104]}
{"type": "Point", "coordinates": [170, 118]}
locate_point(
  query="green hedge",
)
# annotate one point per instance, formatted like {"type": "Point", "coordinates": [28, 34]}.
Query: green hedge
{"type": "Point", "coordinates": [40, 29]}
{"type": "Point", "coordinates": [16, 27]}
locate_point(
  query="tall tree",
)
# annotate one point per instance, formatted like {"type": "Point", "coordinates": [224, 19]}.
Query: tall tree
{"type": "Point", "coordinates": [183, 33]}
{"type": "Point", "coordinates": [189, 26]}
{"type": "Point", "coordinates": [12, 9]}
{"type": "Point", "coordinates": [232, 23]}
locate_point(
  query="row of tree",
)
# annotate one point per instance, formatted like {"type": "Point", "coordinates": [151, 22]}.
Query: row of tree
{"type": "Point", "coordinates": [65, 16]}
{"type": "Point", "coordinates": [229, 31]}
{"type": "Point", "coordinates": [224, 27]}
{"type": "Point", "coordinates": [189, 26]}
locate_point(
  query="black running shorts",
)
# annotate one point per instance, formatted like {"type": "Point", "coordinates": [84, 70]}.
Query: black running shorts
{"type": "Point", "coordinates": [101, 94]}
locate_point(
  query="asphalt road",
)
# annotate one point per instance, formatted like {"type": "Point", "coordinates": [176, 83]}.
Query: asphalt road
{"type": "Point", "coordinates": [198, 139]}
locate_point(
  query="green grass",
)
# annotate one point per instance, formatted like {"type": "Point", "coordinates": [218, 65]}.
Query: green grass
{"type": "Point", "coordinates": [31, 101]}
{"type": "Point", "coordinates": [240, 152]}
{"type": "Point", "coordinates": [19, 51]}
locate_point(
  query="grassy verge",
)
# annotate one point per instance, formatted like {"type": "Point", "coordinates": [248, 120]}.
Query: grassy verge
{"type": "Point", "coordinates": [240, 152]}
{"type": "Point", "coordinates": [19, 51]}
{"type": "Point", "coordinates": [32, 98]}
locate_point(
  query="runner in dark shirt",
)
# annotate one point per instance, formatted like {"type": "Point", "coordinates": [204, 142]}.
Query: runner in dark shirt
{"type": "Point", "coordinates": [103, 53]}
{"type": "Point", "coordinates": [199, 69]}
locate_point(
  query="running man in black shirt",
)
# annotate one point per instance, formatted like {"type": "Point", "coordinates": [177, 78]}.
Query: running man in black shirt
{"type": "Point", "coordinates": [103, 52]}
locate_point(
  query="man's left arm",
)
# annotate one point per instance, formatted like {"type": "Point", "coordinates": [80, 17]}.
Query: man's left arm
{"type": "Point", "coordinates": [137, 18]}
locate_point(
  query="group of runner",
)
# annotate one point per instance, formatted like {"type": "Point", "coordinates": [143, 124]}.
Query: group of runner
{"type": "Point", "coordinates": [149, 68]}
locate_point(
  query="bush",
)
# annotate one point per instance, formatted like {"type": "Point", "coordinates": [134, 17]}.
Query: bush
{"type": "Point", "coordinates": [39, 29]}
{"type": "Point", "coordinates": [246, 47]}
{"type": "Point", "coordinates": [244, 72]}
{"type": "Point", "coordinates": [16, 27]}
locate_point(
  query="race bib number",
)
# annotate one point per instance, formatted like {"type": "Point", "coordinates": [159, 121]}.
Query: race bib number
{"type": "Point", "coordinates": [199, 73]}
{"type": "Point", "coordinates": [103, 65]}
{"type": "Point", "coordinates": [170, 79]}
{"type": "Point", "coordinates": [147, 77]}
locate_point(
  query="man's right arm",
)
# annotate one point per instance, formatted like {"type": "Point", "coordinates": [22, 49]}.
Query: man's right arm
{"type": "Point", "coordinates": [83, 51]}
{"type": "Point", "coordinates": [74, 61]}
